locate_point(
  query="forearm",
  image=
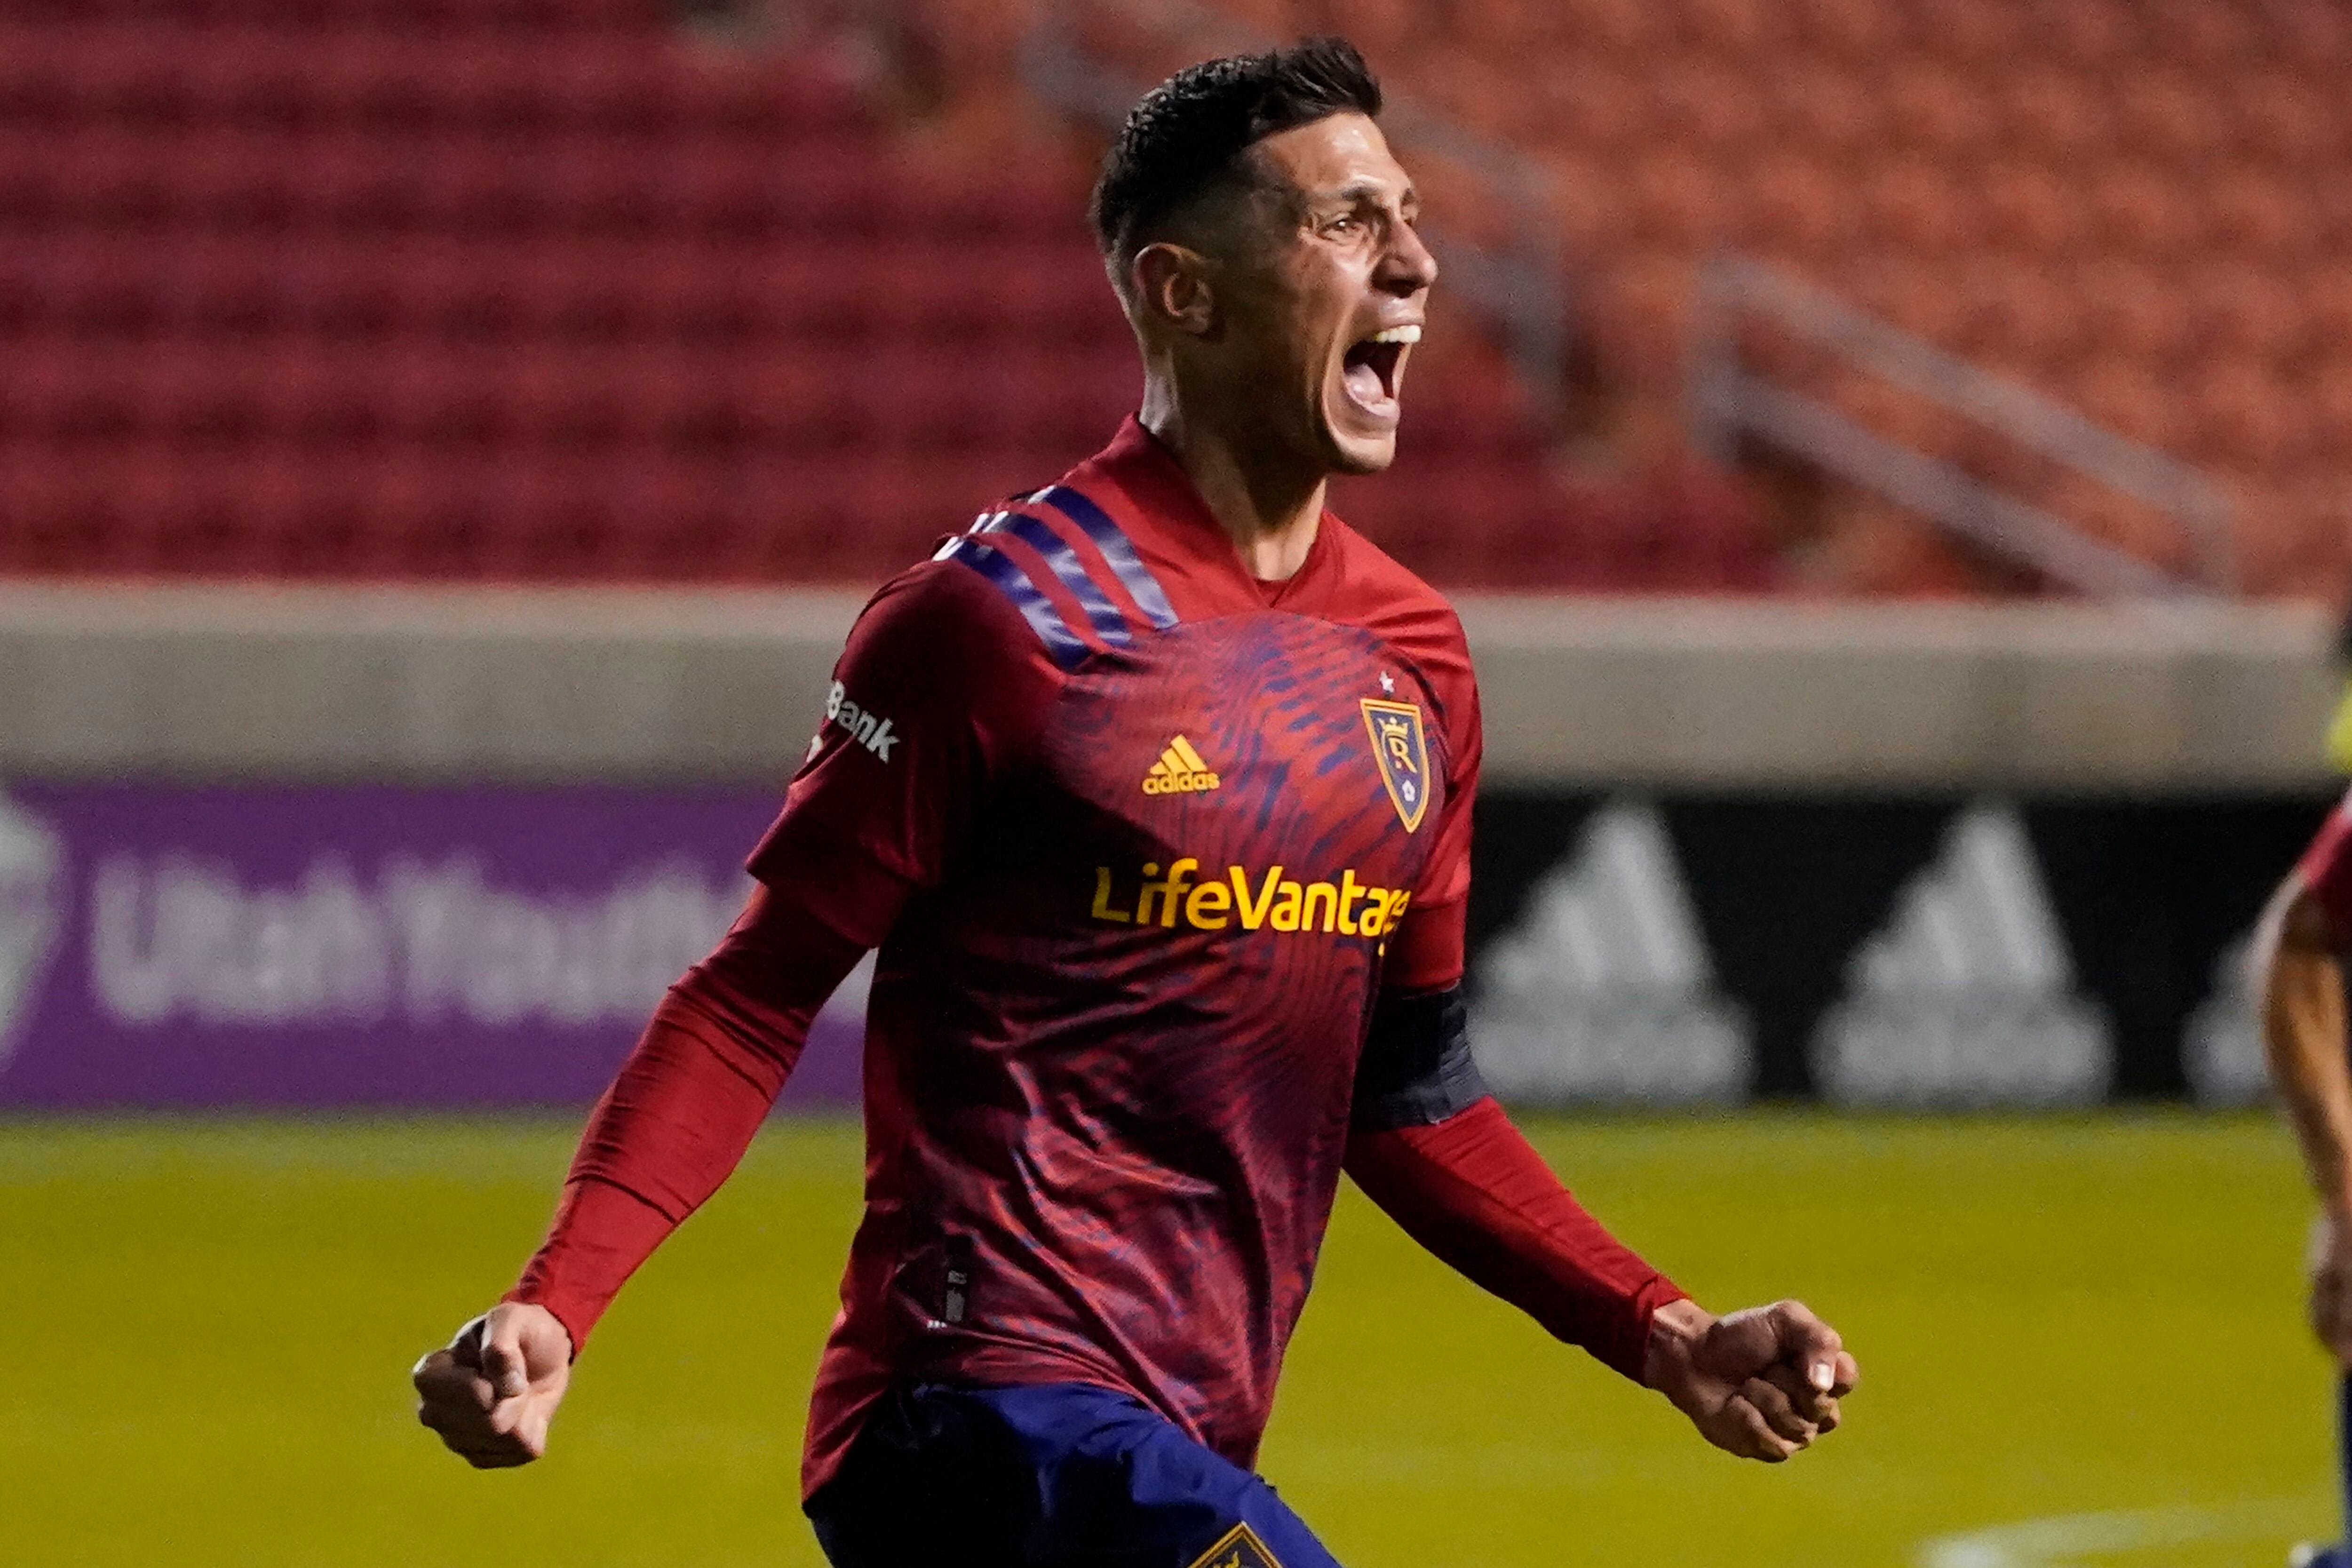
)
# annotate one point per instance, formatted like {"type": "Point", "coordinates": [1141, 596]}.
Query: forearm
{"type": "Point", "coordinates": [2303, 1038]}
{"type": "Point", "coordinates": [684, 1107]}
{"type": "Point", "coordinates": [1475, 1192]}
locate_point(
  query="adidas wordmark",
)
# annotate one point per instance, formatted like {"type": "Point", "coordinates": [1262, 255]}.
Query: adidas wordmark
{"type": "Point", "coordinates": [1180, 771]}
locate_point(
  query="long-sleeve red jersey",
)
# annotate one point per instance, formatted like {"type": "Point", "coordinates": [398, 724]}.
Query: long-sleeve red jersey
{"type": "Point", "coordinates": [1143, 840]}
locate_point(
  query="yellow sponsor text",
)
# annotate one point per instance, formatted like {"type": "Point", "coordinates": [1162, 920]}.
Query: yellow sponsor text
{"type": "Point", "coordinates": [1181, 898]}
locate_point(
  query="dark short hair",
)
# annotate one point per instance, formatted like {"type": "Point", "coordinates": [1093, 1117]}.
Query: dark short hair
{"type": "Point", "coordinates": [1188, 134]}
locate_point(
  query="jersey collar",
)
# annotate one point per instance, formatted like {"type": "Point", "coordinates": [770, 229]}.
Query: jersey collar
{"type": "Point", "coordinates": [1145, 488]}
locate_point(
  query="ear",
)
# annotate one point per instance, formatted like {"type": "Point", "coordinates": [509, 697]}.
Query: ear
{"type": "Point", "coordinates": [1173, 286]}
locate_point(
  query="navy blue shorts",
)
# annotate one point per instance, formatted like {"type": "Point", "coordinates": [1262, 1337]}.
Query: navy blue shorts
{"type": "Point", "coordinates": [1058, 1475]}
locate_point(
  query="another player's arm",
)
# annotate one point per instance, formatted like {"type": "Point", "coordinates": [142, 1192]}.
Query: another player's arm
{"type": "Point", "coordinates": [871, 816]}
{"type": "Point", "coordinates": [2298, 950]}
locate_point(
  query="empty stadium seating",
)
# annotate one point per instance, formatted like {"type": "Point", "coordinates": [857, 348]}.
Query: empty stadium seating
{"type": "Point", "coordinates": [555, 288]}
{"type": "Point", "coordinates": [2142, 208]}
{"type": "Point", "coordinates": [548, 289]}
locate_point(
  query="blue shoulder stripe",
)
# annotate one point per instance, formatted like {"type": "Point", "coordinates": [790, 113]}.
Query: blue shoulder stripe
{"type": "Point", "coordinates": [1117, 549]}
{"type": "Point", "coordinates": [1014, 583]}
{"type": "Point", "coordinates": [1108, 623]}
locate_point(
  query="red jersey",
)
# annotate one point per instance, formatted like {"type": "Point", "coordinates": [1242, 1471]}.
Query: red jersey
{"type": "Point", "coordinates": [2327, 865]}
{"type": "Point", "coordinates": [1140, 836]}
{"type": "Point", "coordinates": [1167, 867]}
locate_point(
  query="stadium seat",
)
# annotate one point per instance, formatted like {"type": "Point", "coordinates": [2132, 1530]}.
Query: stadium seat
{"type": "Point", "coordinates": [1911, 206]}
{"type": "Point", "coordinates": [2282, 118]}
{"type": "Point", "coordinates": [1936, 109]}
{"type": "Point", "coordinates": [2161, 115]}
{"type": "Point", "coordinates": [2137, 209]}
{"type": "Point", "coordinates": [2242, 421]}
{"type": "Point", "coordinates": [1826, 109]}
{"type": "Point", "coordinates": [2046, 113]}
{"type": "Point", "coordinates": [516, 287]}
{"type": "Point", "coordinates": [1860, 29]}
{"type": "Point", "coordinates": [1733, 28]}
{"type": "Point", "coordinates": [1707, 104]}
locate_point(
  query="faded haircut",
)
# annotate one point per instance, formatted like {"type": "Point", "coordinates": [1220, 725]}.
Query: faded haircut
{"type": "Point", "coordinates": [1186, 136]}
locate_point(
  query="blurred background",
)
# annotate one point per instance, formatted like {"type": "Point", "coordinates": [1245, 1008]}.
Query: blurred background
{"type": "Point", "coordinates": [1894, 458]}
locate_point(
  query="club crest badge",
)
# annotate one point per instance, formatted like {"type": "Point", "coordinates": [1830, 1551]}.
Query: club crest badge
{"type": "Point", "coordinates": [1239, 1548]}
{"type": "Point", "coordinates": [1400, 751]}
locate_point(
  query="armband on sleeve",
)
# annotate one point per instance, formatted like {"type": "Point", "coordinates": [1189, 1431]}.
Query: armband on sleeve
{"type": "Point", "coordinates": [1416, 1069]}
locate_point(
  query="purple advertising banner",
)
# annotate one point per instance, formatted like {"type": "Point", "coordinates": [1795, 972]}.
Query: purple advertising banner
{"type": "Point", "coordinates": [276, 946]}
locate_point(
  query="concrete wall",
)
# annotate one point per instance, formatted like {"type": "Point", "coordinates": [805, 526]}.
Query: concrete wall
{"type": "Point", "coordinates": [377, 683]}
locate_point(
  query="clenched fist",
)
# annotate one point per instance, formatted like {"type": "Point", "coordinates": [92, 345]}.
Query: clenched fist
{"type": "Point", "coordinates": [492, 1390]}
{"type": "Point", "coordinates": [1762, 1384]}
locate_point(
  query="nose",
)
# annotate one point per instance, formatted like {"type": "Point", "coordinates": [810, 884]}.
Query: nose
{"type": "Point", "coordinates": [1409, 268]}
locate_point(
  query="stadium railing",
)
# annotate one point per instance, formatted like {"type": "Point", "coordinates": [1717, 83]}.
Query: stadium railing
{"type": "Point", "coordinates": [1728, 399]}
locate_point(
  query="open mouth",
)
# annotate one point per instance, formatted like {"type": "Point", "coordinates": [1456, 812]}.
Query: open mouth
{"type": "Point", "coordinates": [1372, 368]}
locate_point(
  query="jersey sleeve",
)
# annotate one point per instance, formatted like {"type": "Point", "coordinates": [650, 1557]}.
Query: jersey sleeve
{"type": "Point", "coordinates": [1472, 1190]}
{"type": "Point", "coordinates": [1427, 953]}
{"type": "Point", "coordinates": [685, 1105]}
{"type": "Point", "coordinates": [939, 694]}
{"type": "Point", "coordinates": [2326, 867]}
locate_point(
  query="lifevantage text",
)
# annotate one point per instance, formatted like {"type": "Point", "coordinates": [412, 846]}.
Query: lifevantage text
{"type": "Point", "coordinates": [1183, 898]}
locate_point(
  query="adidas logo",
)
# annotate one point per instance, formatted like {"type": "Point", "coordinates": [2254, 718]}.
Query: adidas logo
{"type": "Point", "coordinates": [1966, 995]}
{"type": "Point", "coordinates": [1604, 990]}
{"type": "Point", "coordinates": [1180, 771]}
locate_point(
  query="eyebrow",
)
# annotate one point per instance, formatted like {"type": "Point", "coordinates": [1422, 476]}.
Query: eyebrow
{"type": "Point", "coordinates": [1362, 190]}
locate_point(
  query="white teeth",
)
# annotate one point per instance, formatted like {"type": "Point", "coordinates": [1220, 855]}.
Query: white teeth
{"type": "Point", "coordinates": [1398, 335]}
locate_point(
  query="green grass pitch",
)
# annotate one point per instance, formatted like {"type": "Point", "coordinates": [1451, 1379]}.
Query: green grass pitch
{"type": "Point", "coordinates": [206, 1331]}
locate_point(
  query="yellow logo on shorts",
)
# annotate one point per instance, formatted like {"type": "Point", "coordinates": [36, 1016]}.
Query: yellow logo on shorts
{"type": "Point", "coordinates": [1180, 771]}
{"type": "Point", "coordinates": [1240, 1548]}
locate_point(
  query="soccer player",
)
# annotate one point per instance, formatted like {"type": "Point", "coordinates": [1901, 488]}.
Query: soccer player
{"type": "Point", "coordinates": [1153, 789]}
{"type": "Point", "coordinates": [2299, 953]}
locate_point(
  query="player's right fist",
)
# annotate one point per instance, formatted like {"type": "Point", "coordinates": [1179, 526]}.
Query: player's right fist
{"type": "Point", "coordinates": [492, 1390]}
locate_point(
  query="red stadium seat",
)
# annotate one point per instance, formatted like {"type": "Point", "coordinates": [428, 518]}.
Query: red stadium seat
{"type": "Point", "coordinates": [2242, 310]}
{"type": "Point", "coordinates": [2315, 35]}
{"type": "Point", "coordinates": [1797, 210]}
{"type": "Point", "coordinates": [2169, 115]}
{"type": "Point", "coordinates": [1708, 104]}
{"type": "Point", "coordinates": [2048, 114]}
{"type": "Point", "coordinates": [1860, 29]}
{"type": "Point", "coordinates": [2243, 423]}
{"type": "Point", "coordinates": [514, 287]}
{"type": "Point", "coordinates": [2134, 316]}
{"type": "Point", "coordinates": [1626, 26]}
{"type": "Point", "coordinates": [1931, 107]}
{"type": "Point", "coordinates": [1910, 205]}
{"type": "Point", "coordinates": [1825, 110]}
{"type": "Point", "coordinates": [1985, 39]}
{"type": "Point", "coordinates": [2139, 210]}
{"type": "Point", "coordinates": [1674, 203]}
{"type": "Point", "coordinates": [2255, 212]}
{"type": "Point", "coordinates": [1591, 104]}
{"type": "Point", "coordinates": [2127, 400]}
{"type": "Point", "coordinates": [2030, 206]}
{"type": "Point", "coordinates": [2092, 35]}
{"type": "Point", "coordinates": [1736, 29]}
{"type": "Point", "coordinates": [2283, 117]}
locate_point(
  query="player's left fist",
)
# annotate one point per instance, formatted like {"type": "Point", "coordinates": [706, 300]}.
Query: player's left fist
{"type": "Point", "coordinates": [492, 1391]}
{"type": "Point", "coordinates": [1762, 1384]}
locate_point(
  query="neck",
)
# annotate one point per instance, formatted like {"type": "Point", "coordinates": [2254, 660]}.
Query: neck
{"type": "Point", "coordinates": [1268, 504]}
